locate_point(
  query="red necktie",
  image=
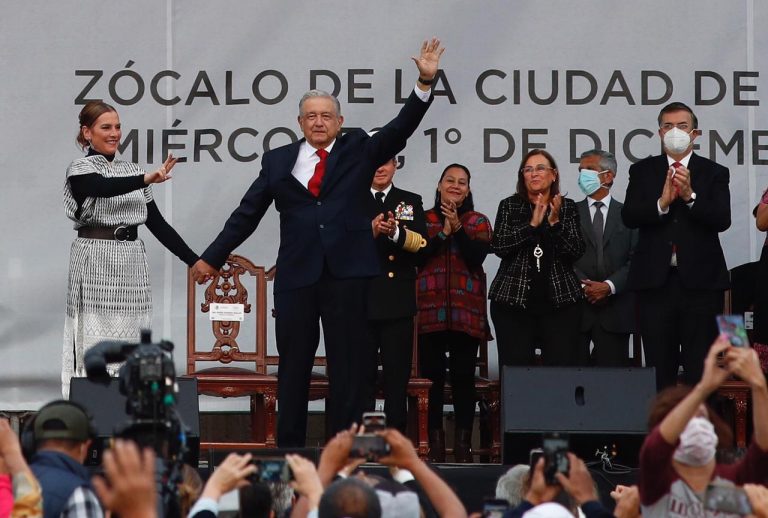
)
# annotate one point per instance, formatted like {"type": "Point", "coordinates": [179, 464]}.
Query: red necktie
{"type": "Point", "coordinates": [675, 165]}
{"type": "Point", "coordinates": [317, 176]}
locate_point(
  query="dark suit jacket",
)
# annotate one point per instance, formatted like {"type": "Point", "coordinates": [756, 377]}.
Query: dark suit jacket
{"type": "Point", "coordinates": [615, 313]}
{"type": "Point", "coordinates": [332, 229]}
{"type": "Point", "coordinates": [393, 293]}
{"type": "Point", "coordinates": [694, 231]}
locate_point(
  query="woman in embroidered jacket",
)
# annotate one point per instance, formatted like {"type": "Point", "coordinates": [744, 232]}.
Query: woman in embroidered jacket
{"type": "Point", "coordinates": [452, 306]}
{"type": "Point", "coordinates": [535, 294]}
{"type": "Point", "coordinates": [108, 296]}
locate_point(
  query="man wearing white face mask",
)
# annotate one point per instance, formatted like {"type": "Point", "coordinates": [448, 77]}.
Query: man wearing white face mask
{"type": "Point", "coordinates": [680, 202]}
{"type": "Point", "coordinates": [608, 315]}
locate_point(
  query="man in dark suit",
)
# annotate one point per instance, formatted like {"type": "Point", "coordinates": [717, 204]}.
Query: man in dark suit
{"type": "Point", "coordinates": [327, 253]}
{"type": "Point", "coordinates": [608, 308]}
{"type": "Point", "coordinates": [680, 201]}
{"type": "Point", "coordinates": [399, 227]}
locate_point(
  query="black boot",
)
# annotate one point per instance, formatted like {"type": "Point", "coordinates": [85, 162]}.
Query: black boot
{"type": "Point", "coordinates": [436, 451]}
{"type": "Point", "coordinates": [462, 446]}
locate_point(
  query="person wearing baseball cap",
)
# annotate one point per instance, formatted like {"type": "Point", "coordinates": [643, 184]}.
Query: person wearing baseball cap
{"type": "Point", "coordinates": [62, 434]}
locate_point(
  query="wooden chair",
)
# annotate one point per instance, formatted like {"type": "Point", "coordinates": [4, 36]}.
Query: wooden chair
{"type": "Point", "coordinates": [250, 378]}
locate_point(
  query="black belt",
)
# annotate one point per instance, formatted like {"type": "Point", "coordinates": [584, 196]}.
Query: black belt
{"type": "Point", "coordinates": [119, 233]}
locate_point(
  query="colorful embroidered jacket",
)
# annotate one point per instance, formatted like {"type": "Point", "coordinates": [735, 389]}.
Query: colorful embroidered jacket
{"type": "Point", "coordinates": [451, 283]}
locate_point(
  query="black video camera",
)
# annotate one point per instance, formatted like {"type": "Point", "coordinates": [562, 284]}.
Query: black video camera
{"type": "Point", "coordinates": [148, 382]}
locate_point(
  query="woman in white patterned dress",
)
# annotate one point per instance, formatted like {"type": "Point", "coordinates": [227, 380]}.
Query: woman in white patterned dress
{"type": "Point", "coordinates": [109, 295]}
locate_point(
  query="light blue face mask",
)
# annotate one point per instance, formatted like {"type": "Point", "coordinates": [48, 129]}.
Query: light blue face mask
{"type": "Point", "coordinates": [589, 181]}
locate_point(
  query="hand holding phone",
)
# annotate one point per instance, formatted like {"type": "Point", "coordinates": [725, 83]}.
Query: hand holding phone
{"type": "Point", "coordinates": [733, 327]}
{"type": "Point", "coordinates": [272, 470]}
{"type": "Point", "coordinates": [555, 446]}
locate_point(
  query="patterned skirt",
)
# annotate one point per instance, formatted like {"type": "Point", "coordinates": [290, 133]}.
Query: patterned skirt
{"type": "Point", "coordinates": [108, 298]}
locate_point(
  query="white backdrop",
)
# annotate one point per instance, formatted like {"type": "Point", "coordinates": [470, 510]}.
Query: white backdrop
{"type": "Point", "coordinates": [227, 76]}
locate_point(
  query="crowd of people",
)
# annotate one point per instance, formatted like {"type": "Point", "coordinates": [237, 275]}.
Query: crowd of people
{"type": "Point", "coordinates": [679, 474]}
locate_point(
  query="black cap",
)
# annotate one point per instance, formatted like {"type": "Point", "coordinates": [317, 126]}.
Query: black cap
{"type": "Point", "coordinates": [62, 420]}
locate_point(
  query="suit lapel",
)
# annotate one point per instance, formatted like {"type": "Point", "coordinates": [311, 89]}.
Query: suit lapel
{"type": "Point", "coordinates": [612, 221]}
{"type": "Point", "coordinates": [586, 221]}
{"type": "Point", "coordinates": [697, 169]}
{"type": "Point", "coordinates": [331, 166]}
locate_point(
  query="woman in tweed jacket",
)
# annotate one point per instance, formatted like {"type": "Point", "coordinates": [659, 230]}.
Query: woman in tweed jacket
{"type": "Point", "coordinates": [535, 294]}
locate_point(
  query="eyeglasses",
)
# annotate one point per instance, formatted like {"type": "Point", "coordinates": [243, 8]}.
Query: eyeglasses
{"type": "Point", "coordinates": [541, 168]}
{"type": "Point", "coordinates": [682, 126]}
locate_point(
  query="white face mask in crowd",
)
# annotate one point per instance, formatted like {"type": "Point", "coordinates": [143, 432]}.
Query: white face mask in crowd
{"type": "Point", "coordinates": [698, 443]}
{"type": "Point", "coordinates": [676, 140]}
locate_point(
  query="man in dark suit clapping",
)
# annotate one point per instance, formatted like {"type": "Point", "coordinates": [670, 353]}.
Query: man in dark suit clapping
{"type": "Point", "coordinates": [680, 201]}
{"type": "Point", "coordinates": [609, 311]}
{"type": "Point", "coordinates": [399, 227]}
{"type": "Point", "coordinates": [327, 253]}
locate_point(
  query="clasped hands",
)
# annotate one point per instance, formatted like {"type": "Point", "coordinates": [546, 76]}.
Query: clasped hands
{"type": "Point", "coordinates": [452, 224]}
{"type": "Point", "coordinates": [540, 210]}
{"type": "Point", "coordinates": [595, 291]}
{"type": "Point", "coordinates": [676, 185]}
{"type": "Point", "coordinates": [384, 224]}
{"type": "Point", "coordinates": [203, 272]}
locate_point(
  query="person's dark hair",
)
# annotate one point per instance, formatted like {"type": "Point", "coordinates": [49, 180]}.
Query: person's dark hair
{"type": "Point", "coordinates": [349, 498]}
{"type": "Point", "coordinates": [554, 189]}
{"type": "Point", "coordinates": [255, 500]}
{"type": "Point", "coordinates": [607, 159]}
{"type": "Point", "coordinates": [676, 107]}
{"type": "Point", "coordinates": [670, 397]}
{"type": "Point", "coordinates": [467, 205]}
{"type": "Point", "coordinates": [88, 115]}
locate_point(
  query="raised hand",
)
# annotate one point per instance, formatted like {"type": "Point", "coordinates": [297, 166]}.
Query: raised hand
{"type": "Point", "coordinates": [131, 474]}
{"type": "Point", "coordinates": [627, 500]}
{"type": "Point", "coordinates": [539, 211]}
{"type": "Point", "coordinates": [203, 272]}
{"type": "Point", "coordinates": [429, 59]}
{"type": "Point", "coordinates": [231, 474]}
{"type": "Point", "coordinates": [578, 483]}
{"type": "Point", "coordinates": [744, 362]}
{"type": "Point", "coordinates": [554, 205]}
{"type": "Point", "coordinates": [669, 192]}
{"type": "Point", "coordinates": [306, 480]}
{"type": "Point", "coordinates": [336, 454]}
{"type": "Point", "coordinates": [449, 211]}
{"type": "Point", "coordinates": [682, 182]}
{"type": "Point", "coordinates": [401, 451]}
{"type": "Point", "coordinates": [539, 491]}
{"type": "Point", "coordinates": [713, 375]}
{"type": "Point", "coordinates": [163, 173]}
{"type": "Point", "coordinates": [384, 224]}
